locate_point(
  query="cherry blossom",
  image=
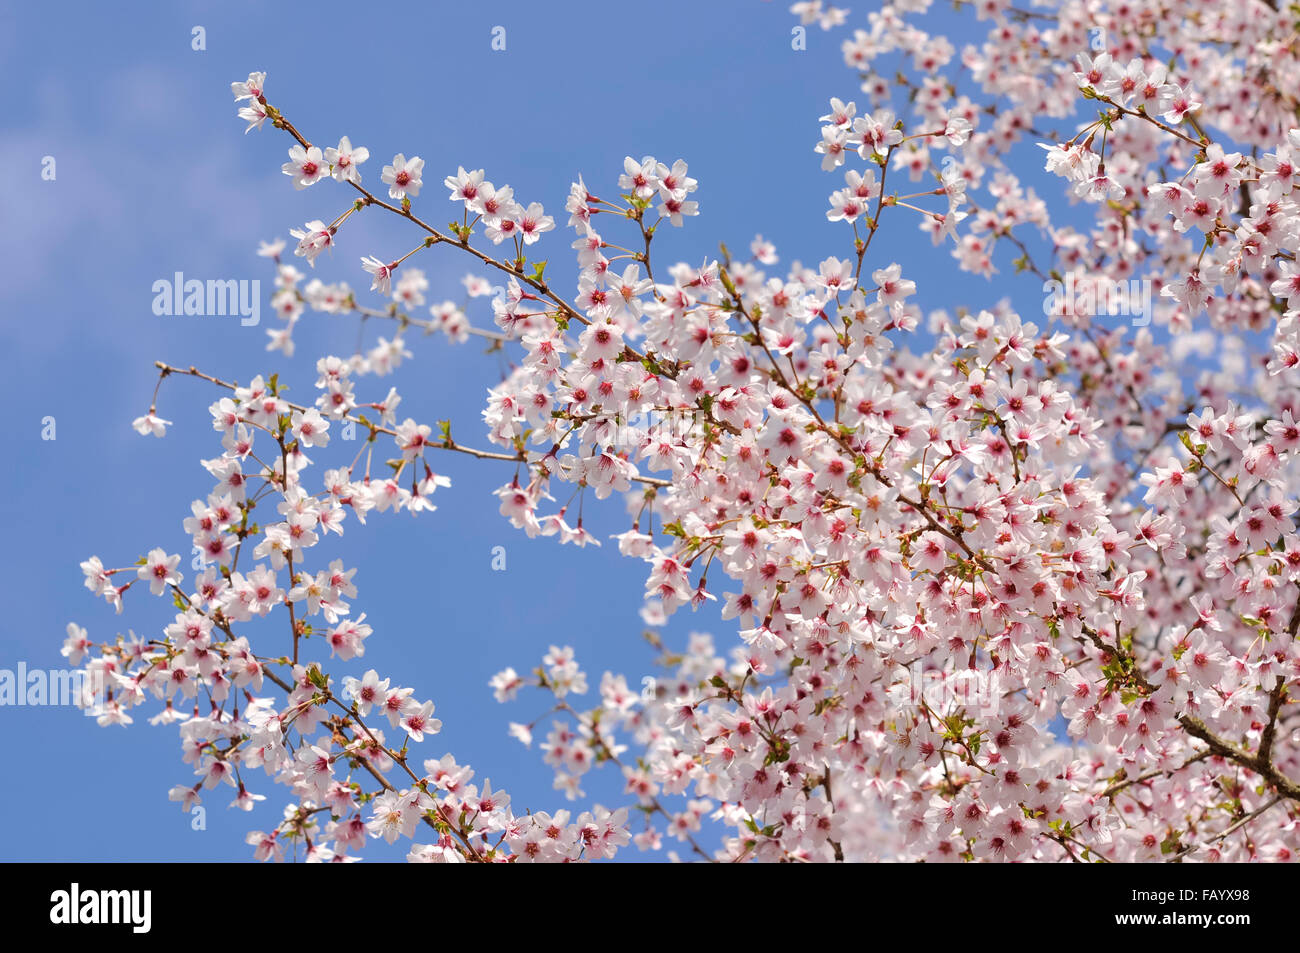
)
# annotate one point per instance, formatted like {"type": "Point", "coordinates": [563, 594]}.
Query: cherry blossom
{"type": "Point", "coordinates": [1005, 586]}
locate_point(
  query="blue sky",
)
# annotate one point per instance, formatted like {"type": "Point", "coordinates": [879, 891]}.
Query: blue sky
{"type": "Point", "coordinates": [155, 176]}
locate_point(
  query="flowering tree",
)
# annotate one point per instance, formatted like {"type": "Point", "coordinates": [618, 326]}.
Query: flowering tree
{"type": "Point", "coordinates": [1011, 589]}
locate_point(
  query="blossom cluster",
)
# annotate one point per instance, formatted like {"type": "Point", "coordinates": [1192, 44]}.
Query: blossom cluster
{"type": "Point", "coordinates": [1092, 525]}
